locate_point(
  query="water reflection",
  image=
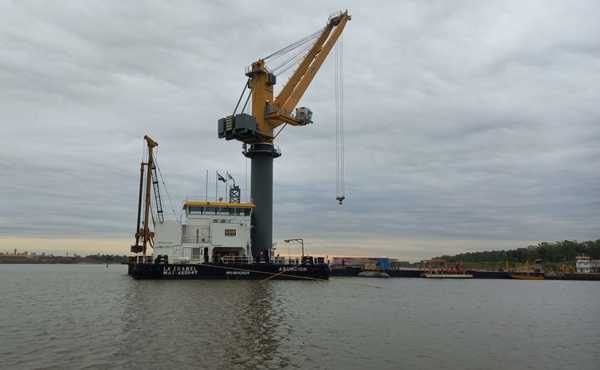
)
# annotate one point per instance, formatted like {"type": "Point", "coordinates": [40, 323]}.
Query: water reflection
{"type": "Point", "coordinates": [236, 324]}
{"type": "Point", "coordinates": [258, 334]}
{"type": "Point", "coordinates": [76, 317]}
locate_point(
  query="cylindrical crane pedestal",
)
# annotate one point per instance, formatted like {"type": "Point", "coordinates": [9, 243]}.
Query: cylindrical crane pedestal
{"type": "Point", "coordinates": [262, 156]}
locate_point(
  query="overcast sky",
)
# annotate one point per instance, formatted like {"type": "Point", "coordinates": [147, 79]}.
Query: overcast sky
{"type": "Point", "coordinates": [469, 125]}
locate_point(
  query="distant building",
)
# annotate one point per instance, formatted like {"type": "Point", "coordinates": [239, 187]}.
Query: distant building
{"type": "Point", "coordinates": [382, 263]}
{"type": "Point", "coordinates": [585, 264]}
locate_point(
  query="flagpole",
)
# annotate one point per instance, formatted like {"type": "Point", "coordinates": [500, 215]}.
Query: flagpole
{"type": "Point", "coordinates": [217, 179]}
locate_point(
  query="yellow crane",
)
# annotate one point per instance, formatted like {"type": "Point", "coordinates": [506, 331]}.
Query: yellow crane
{"type": "Point", "coordinates": [269, 112]}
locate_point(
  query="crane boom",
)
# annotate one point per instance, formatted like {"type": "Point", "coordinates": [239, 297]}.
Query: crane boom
{"type": "Point", "coordinates": [269, 112]}
{"type": "Point", "coordinates": [295, 88]}
{"type": "Point", "coordinates": [303, 67]}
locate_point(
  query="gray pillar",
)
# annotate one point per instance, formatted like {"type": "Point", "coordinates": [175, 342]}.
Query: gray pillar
{"type": "Point", "coordinates": [262, 156]}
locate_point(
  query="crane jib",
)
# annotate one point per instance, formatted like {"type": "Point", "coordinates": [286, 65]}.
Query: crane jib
{"type": "Point", "coordinates": [269, 111]}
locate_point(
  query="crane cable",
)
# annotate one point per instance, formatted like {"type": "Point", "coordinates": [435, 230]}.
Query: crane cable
{"type": "Point", "coordinates": [164, 184]}
{"type": "Point", "coordinates": [244, 89]}
{"type": "Point", "coordinates": [339, 120]}
{"type": "Point", "coordinates": [299, 48]}
{"type": "Point", "coordinates": [294, 45]}
{"type": "Point", "coordinates": [293, 60]}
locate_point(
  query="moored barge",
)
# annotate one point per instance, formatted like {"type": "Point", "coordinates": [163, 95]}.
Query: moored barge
{"type": "Point", "coordinates": [484, 274]}
{"type": "Point", "coordinates": [210, 240]}
{"type": "Point", "coordinates": [232, 271]}
{"type": "Point", "coordinates": [572, 276]}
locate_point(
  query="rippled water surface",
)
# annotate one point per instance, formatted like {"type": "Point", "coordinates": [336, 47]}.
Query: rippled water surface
{"type": "Point", "coordinates": [93, 317]}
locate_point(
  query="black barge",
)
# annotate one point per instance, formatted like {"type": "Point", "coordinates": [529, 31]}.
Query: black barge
{"type": "Point", "coordinates": [158, 270]}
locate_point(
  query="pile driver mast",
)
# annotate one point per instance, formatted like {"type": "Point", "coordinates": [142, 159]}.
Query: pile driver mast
{"type": "Point", "coordinates": [269, 112]}
{"type": "Point", "coordinates": [148, 185]}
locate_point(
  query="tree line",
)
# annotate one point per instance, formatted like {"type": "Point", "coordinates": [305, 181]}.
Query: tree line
{"type": "Point", "coordinates": [556, 252]}
{"type": "Point", "coordinates": [104, 258]}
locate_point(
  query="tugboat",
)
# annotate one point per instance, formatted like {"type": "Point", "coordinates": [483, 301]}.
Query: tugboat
{"type": "Point", "coordinates": [212, 240]}
{"type": "Point", "coordinates": [527, 275]}
{"type": "Point", "coordinates": [535, 273]}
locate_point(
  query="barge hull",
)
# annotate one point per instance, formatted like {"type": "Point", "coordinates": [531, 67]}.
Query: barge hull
{"type": "Point", "coordinates": [345, 271]}
{"type": "Point", "coordinates": [479, 274]}
{"type": "Point", "coordinates": [572, 276]}
{"type": "Point", "coordinates": [254, 271]}
{"type": "Point", "coordinates": [405, 273]}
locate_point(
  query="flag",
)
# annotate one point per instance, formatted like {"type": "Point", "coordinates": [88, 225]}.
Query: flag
{"type": "Point", "coordinates": [220, 178]}
{"type": "Point", "coordinates": [230, 177]}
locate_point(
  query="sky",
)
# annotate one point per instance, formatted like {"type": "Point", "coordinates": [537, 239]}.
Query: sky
{"type": "Point", "coordinates": [469, 125]}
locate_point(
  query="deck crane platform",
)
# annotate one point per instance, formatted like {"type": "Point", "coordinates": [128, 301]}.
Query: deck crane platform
{"type": "Point", "coordinates": [256, 130]}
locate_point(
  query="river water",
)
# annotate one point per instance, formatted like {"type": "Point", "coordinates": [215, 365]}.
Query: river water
{"type": "Point", "coordinates": [93, 317]}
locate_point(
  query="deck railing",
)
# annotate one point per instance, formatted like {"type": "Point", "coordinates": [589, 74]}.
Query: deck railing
{"type": "Point", "coordinates": [236, 259]}
{"type": "Point", "coordinates": [275, 260]}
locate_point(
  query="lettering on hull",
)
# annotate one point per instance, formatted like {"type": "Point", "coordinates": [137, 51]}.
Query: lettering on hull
{"type": "Point", "coordinates": [238, 273]}
{"type": "Point", "coordinates": [293, 269]}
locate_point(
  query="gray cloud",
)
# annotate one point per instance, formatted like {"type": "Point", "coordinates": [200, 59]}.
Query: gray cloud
{"type": "Point", "coordinates": [463, 120]}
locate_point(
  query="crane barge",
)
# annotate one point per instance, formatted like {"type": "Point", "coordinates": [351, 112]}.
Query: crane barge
{"type": "Point", "coordinates": [233, 240]}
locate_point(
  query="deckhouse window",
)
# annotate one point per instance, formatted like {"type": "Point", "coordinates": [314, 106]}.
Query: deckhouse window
{"type": "Point", "coordinates": [196, 210]}
{"type": "Point", "coordinates": [230, 232]}
{"type": "Point", "coordinates": [232, 211]}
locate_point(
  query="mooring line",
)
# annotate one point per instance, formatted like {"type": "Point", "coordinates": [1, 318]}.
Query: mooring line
{"type": "Point", "coordinates": [277, 274]}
